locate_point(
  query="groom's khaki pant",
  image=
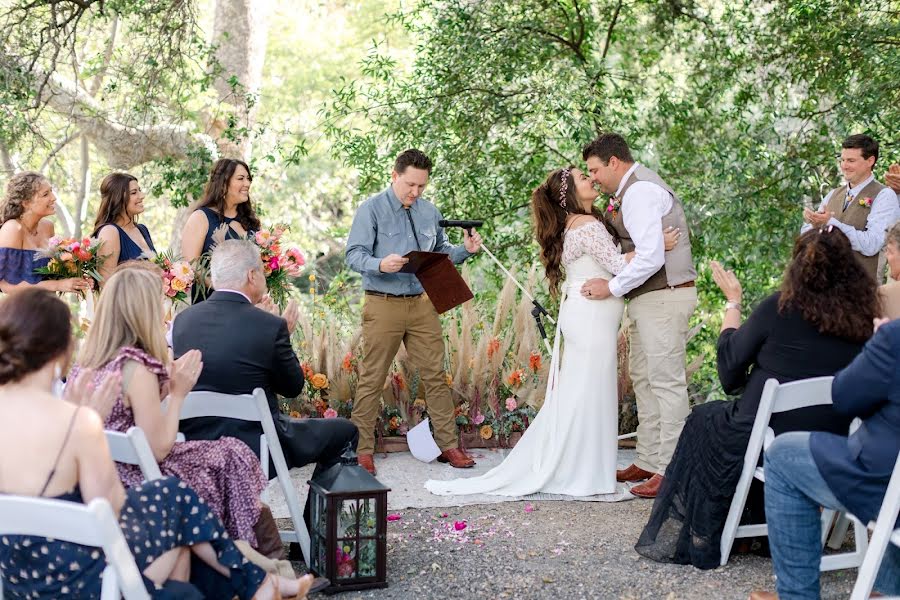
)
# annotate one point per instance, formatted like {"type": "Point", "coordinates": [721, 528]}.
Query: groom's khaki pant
{"type": "Point", "coordinates": [387, 321]}
{"type": "Point", "coordinates": [658, 335]}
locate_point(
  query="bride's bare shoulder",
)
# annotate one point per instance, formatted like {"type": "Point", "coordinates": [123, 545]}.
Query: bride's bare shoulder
{"type": "Point", "coordinates": [575, 222]}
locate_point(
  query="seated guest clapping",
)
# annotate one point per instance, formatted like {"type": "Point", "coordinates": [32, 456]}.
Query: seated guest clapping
{"type": "Point", "coordinates": [813, 327]}
{"type": "Point", "coordinates": [890, 292]}
{"type": "Point", "coordinates": [245, 347]}
{"type": "Point", "coordinates": [24, 231]}
{"type": "Point", "coordinates": [805, 471]}
{"type": "Point", "coordinates": [128, 337]}
{"type": "Point", "coordinates": [50, 448]}
{"type": "Point", "coordinates": [121, 201]}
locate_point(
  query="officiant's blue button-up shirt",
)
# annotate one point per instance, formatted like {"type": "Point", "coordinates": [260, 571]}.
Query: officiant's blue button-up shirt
{"type": "Point", "coordinates": [381, 227]}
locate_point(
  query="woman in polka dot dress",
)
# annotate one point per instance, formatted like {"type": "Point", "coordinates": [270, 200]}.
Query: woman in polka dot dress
{"type": "Point", "coordinates": [53, 448]}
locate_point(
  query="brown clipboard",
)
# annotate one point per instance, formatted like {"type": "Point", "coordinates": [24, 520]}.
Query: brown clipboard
{"type": "Point", "coordinates": [442, 282]}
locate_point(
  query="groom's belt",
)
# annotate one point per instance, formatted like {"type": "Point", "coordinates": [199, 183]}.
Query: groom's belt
{"type": "Point", "coordinates": [385, 295]}
{"type": "Point", "coordinates": [681, 285]}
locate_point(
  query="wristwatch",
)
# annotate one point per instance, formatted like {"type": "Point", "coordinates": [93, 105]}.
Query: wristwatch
{"type": "Point", "coordinates": [735, 305]}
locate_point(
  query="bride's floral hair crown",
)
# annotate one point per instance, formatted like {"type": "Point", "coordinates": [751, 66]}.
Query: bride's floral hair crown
{"type": "Point", "coordinates": [564, 187]}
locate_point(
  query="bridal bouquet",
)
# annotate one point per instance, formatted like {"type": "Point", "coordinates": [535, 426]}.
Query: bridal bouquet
{"type": "Point", "coordinates": [70, 257]}
{"type": "Point", "coordinates": [178, 277]}
{"type": "Point", "coordinates": [280, 265]}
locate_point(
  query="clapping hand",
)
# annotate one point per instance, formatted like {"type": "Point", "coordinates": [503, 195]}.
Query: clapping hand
{"type": "Point", "coordinates": [291, 312]}
{"type": "Point", "coordinates": [816, 219]}
{"type": "Point", "coordinates": [184, 372]}
{"type": "Point", "coordinates": [892, 177]}
{"type": "Point", "coordinates": [727, 282]}
{"type": "Point", "coordinates": [81, 391]}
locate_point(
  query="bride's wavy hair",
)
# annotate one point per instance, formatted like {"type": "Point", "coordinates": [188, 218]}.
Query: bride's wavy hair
{"type": "Point", "coordinates": [549, 217]}
{"type": "Point", "coordinates": [829, 287]}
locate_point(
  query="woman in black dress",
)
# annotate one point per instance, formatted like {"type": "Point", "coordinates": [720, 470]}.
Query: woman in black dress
{"type": "Point", "coordinates": [50, 448]}
{"type": "Point", "coordinates": [223, 213]}
{"type": "Point", "coordinates": [813, 327]}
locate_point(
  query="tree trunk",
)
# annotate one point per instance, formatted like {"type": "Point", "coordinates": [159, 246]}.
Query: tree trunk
{"type": "Point", "coordinates": [240, 32]}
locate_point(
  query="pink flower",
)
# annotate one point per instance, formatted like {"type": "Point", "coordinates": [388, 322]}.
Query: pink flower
{"type": "Point", "coordinates": [479, 419]}
{"type": "Point", "coordinates": [529, 508]}
{"type": "Point", "coordinates": [273, 263]}
{"type": "Point", "coordinates": [609, 208]}
{"type": "Point", "coordinates": [511, 404]}
{"type": "Point", "coordinates": [296, 256]}
{"type": "Point", "coordinates": [444, 515]}
{"type": "Point", "coordinates": [263, 238]}
{"type": "Point", "coordinates": [330, 413]}
{"type": "Point", "coordinates": [171, 292]}
{"type": "Point", "coordinates": [459, 525]}
{"type": "Point", "coordinates": [54, 241]}
{"type": "Point", "coordinates": [394, 517]}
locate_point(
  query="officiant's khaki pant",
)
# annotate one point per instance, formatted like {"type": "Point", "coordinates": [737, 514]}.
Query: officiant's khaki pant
{"type": "Point", "coordinates": [387, 321]}
{"type": "Point", "coordinates": [657, 336]}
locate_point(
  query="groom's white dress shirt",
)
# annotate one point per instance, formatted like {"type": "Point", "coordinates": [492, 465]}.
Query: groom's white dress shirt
{"type": "Point", "coordinates": [642, 214]}
{"type": "Point", "coordinates": [884, 213]}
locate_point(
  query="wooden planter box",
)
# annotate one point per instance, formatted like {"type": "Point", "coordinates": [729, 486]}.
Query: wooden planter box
{"type": "Point", "coordinates": [467, 439]}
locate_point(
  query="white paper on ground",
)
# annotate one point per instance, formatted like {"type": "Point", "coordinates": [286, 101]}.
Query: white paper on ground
{"type": "Point", "coordinates": [421, 444]}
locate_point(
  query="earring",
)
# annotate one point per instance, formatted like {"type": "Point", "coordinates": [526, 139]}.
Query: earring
{"type": "Point", "coordinates": [57, 371]}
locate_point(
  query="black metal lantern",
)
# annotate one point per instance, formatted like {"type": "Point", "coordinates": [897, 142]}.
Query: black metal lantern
{"type": "Point", "coordinates": [348, 539]}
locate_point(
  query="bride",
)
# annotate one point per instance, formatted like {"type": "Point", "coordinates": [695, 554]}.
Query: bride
{"type": "Point", "coordinates": [570, 447]}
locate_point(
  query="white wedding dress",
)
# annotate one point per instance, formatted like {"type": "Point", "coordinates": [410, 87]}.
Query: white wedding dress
{"type": "Point", "coordinates": [570, 447]}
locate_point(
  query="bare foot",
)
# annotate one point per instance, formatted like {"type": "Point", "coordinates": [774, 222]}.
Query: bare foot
{"type": "Point", "coordinates": [295, 589]}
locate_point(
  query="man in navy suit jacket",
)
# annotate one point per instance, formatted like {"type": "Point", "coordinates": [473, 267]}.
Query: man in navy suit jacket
{"type": "Point", "coordinates": [805, 471]}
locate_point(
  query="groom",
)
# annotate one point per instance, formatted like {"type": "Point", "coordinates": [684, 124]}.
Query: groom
{"type": "Point", "coordinates": [659, 286]}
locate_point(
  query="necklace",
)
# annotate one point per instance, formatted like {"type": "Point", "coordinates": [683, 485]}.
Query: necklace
{"type": "Point", "coordinates": [34, 231]}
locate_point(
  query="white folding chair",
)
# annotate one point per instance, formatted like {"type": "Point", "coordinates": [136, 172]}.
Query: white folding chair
{"type": "Point", "coordinates": [255, 408]}
{"type": "Point", "coordinates": [89, 525]}
{"type": "Point", "coordinates": [778, 398]}
{"type": "Point", "coordinates": [883, 534]}
{"type": "Point", "coordinates": [132, 448]}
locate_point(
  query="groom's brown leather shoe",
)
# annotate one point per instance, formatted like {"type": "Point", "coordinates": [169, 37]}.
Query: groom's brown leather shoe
{"type": "Point", "coordinates": [367, 462]}
{"type": "Point", "coordinates": [633, 473]}
{"type": "Point", "coordinates": [648, 489]}
{"type": "Point", "coordinates": [457, 458]}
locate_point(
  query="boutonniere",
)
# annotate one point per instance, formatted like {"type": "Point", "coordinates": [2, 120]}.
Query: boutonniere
{"type": "Point", "coordinates": [613, 207]}
{"type": "Point", "coordinates": [867, 202]}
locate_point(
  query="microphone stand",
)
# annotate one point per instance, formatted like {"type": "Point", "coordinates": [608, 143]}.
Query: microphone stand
{"type": "Point", "coordinates": [537, 311]}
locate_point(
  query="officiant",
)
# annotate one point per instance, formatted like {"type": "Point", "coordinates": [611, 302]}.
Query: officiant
{"type": "Point", "coordinates": [387, 226]}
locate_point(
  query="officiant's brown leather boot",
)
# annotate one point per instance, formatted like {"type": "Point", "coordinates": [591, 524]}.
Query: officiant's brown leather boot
{"type": "Point", "coordinates": [457, 458]}
{"type": "Point", "coordinates": [633, 473]}
{"type": "Point", "coordinates": [367, 462]}
{"type": "Point", "coordinates": [648, 489]}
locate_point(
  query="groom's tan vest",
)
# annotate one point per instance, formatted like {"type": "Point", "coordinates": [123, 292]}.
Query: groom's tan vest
{"type": "Point", "coordinates": [679, 266]}
{"type": "Point", "coordinates": [856, 216]}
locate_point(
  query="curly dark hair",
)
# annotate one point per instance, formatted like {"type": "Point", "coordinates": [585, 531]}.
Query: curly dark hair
{"type": "Point", "coordinates": [19, 189]}
{"type": "Point", "coordinates": [35, 328]}
{"type": "Point", "coordinates": [214, 194]}
{"type": "Point", "coordinates": [550, 222]}
{"type": "Point", "coordinates": [829, 286]}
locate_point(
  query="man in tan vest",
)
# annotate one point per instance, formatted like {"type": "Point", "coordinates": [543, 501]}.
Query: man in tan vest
{"type": "Point", "coordinates": [659, 286]}
{"type": "Point", "coordinates": [862, 208]}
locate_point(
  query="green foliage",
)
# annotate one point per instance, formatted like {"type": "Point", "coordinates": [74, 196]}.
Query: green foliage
{"type": "Point", "coordinates": [740, 105]}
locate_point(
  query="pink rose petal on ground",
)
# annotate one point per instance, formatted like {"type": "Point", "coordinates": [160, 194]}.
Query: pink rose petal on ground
{"type": "Point", "coordinates": [459, 525]}
{"type": "Point", "coordinates": [529, 508]}
{"type": "Point", "coordinates": [393, 517]}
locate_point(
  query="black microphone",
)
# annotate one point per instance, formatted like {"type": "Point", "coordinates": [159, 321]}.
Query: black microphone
{"type": "Point", "coordinates": [464, 224]}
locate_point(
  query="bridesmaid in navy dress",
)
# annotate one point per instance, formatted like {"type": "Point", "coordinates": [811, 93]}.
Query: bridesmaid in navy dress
{"type": "Point", "coordinates": [24, 230]}
{"type": "Point", "coordinates": [54, 448]}
{"type": "Point", "coordinates": [124, 239]}
{"type": "Point", "coordinates": [223, 213]}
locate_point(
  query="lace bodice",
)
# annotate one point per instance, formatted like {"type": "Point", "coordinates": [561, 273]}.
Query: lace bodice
{"type": "Point", "coordinates": [594, 241]}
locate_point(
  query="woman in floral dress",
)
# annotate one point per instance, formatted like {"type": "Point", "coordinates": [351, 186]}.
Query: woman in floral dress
{"type": "Point", "coordinates": [128, 337]}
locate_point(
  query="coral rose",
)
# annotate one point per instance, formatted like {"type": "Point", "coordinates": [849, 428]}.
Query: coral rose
{"type": "Point", "coordinates": [330, 413]}
{"type": "Point", "coordinates": [486, 432]}
{"type": "Point", "coordinates": [319, 381]}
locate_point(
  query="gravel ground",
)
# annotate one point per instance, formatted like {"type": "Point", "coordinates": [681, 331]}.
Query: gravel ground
{"type": "Point", "coordinates": [559, 550]}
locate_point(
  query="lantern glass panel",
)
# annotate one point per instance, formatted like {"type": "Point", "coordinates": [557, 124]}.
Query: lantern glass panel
{"type": "Point", "coordinates": [345, 563]}
{"type": "Point", "coordinates": [367, 558]}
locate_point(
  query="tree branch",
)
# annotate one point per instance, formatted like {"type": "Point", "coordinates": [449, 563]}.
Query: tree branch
{"type": "Point", "coordinates": [609, 30]}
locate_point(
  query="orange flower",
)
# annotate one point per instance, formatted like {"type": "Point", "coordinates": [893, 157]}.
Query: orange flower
{"type": "Point", "coordinates": [492, 348]}
{"type": "Point", "coordinates": [295, 414]}
{"type": "Point", "coordinates": [347, 364]}
{"type": "Point", "coordinates": [319, 381]}
{"type": "Point", "coordinates": [395, 423]}
{"type": "Point", "coordinates": [534, 362]}
{"type": "Point", "coordinates": [486, 432]}
{"type": "Point", "coordinates": [449, 379]}
{"type": "Point", "coordinates": [307, 370]}
{"type": "Point", "coordinates": [398, 381]}
{"type": "Point", "coordinates": [516, 378]}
